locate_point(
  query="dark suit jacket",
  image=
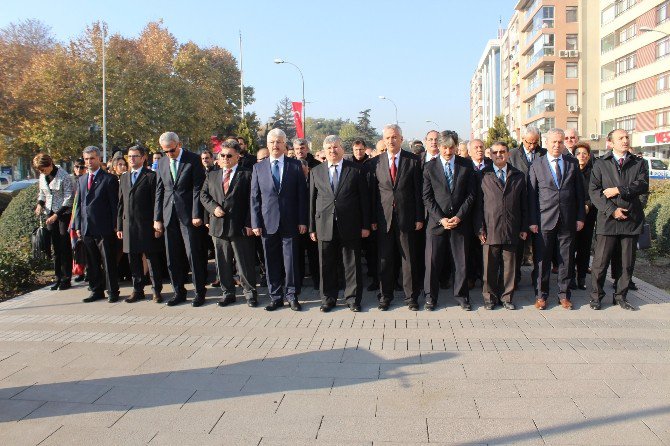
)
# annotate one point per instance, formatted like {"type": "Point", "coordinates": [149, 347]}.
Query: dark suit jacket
{"type": "Point", "coordinates": [136, 212]}
{"type": "Point", "coordinates": [182, 196]}
{"type": "Point", "coordinates": [350, 202]}
{"type": "Point", "coordinates": [517, 158]}
{"type": "Point", "coordinates": [488, 162]}
{"type": "Point", "coordinates": [97, 211]}
{"type": "Point", "coordinates": [546, 203]}
{"type": "Point", "coordinates": [405, 193]}
{"type": "Point", "coordinates": [247, 160]}
{"type": "Point", "coordinates": [279, 210]}
{"type": "Point", "coordinates": [442, 202]}
{"type": "Point", "coordinates": [235, 203]}
{"type": "Point", "coordinates": [502, 211]}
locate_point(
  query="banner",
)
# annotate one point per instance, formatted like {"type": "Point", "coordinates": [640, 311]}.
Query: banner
{"type": "Point", "coordinates": [297, 118]}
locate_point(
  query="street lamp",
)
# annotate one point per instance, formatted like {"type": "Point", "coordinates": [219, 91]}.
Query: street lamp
{"type": "Point", "coordinates": [433, 122]}
{"type": "Point", "coordinates": [302, 78]}
{"type": "Point", "coordinates": [104, 100]}
{"type": "Point", "coordinates": [394, 105]}
{"type": "Point", "coordinates": [646, 29]}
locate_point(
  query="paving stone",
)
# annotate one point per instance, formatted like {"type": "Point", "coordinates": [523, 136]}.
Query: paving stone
{"type": "Point", "coordinates": [427, 405]}
{"type": "Point", "coordinates": [268, 425]}
{"type": "Point", "coordinates": [15, 410]}
{"type": "Point", "coordinates": [259, 385]}
{"type": "Point", "coordinates": [149, 396]}
{"type": "Point", "coordinates": [363, 405]}
{"type": "Point", "coordinates": [169, 438]}
{"type": "Point", "coordinates": [85, 436]}
{"type": "Point", "coordinates": [407, 429]}
{"type": "Point", "coordinates": [527, 408]}
{"type": "Point", "coordinates": [601, 431]}
{"type": "Point", "coordinates": [25, 433]}
{"type": "Point", "coordinates": [78, 414]}
{"type": "Point", "coordinates": [64, 392]}
{"type": "Point", "coordinates": [479, 431]}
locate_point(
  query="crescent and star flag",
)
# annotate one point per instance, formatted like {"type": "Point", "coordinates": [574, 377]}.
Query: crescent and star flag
{"type": "Point", "coordinates": [297, 118]}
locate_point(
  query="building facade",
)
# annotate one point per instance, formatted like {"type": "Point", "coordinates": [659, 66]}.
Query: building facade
{"type": "Point", "coordinates": [485, 86]}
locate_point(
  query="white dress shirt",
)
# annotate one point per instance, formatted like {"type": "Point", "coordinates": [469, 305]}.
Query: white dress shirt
{"type": "Point", "coordinates": [280, 165]}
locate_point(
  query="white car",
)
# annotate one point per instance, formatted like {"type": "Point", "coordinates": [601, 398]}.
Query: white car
{"type": "Point", "coordinates": [658, 169]}
{"type": "Point", "coordinates": [5, 180]}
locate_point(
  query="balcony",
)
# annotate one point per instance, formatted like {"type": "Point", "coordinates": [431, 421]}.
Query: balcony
{"type": "Point", "coordinates": [546, 51]}
{"type": "Point", "coordinates": [538, 81]}
{"type": "Point", "coordinates": [541, 107]}
{"type": "Point", "coordinates": [531, 9]}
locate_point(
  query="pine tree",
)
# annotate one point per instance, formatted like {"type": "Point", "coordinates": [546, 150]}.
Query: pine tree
{"type": "Point", "coordinates": [364, 129]}
{"type": "Point", "coordinates": [249, 134]}
{"type": "Point", "coordinates": [500, 132]}
{"type": "Point", "coordinates": [283, 118]}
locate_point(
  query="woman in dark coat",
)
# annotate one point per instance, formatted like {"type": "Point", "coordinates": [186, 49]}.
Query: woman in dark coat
{"type": "Point", "coordinates": [584, 237]}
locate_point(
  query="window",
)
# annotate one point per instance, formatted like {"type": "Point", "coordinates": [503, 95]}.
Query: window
{"type": "Point", "coordinates": [663, 117]}
{"type": "Point", "coordinates": [571, 97]}
{"type": "Point", "coordinates": [663, 47]}
{"type": "Point", "coordinates": [662, 12]}
{"type": "Point", "coordinates": [573, 123]}
{"type": "Point", "coordinates": [625, 94]}
{"type": "Point", "coordinates": [625, 64]}
{"type": "Point", "coordinates": [571, 42]}
{"type": "Point", "coordinates": [607, 100]}
{"type": "Point", "coordinates": [622, 6]}
{"type": "Point", "coordinates": [571, 14]}
{"type": "Point", "coordinates": [606, 126]}
{"type": "Point", "coordinates": [607, 43]}
{"type": "Point", "coordinates": [626, 33]}
{"type": "Point", "coordinates": [627, 123]}
{"type": "Point", "coordinates": [571, 70]}
{"type": "Point", "coordinates": [607, 14]}
{"type": "Point", "coordinates": [663, 83]}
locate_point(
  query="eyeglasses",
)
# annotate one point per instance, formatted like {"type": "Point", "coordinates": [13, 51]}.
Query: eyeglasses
{"type": "Point", "coordinates": [80, 167]}
{"type": "Point", "coordinates": [261, 159]}
{"type": "Point", "coordinates": [498, 152]}
{"type": "Point", "coordinates": [227, 155]}
{"type": "Point", "coordinates": [135, 156]}
{"type": "Point", "coordinates": [169, 150]}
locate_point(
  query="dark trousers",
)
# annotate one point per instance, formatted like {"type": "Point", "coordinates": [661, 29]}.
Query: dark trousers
{"type": "Point", "coordinates": [181, 243]}
{"type": "Point", "coordinates": [545, 243]}
{"type": "Point", "coordinates": [330, 253]}
{"type": "Point", "coordinates": [476, 259]}
{"type": "Point", "coordinates": [583, 242]}
{"type": "Point", "coordinates": [241, 250]}
{"type": "Point", "coordinates": [60, 241]}
{"type": "Point", "coordinates": [499, 272]}
{"type": "Point", "coordinates": [310, 247]}
{"type": "Point", "coordinates": [525, 250]}
{"type": "Point", "coordinates": [137, 271]}
{"type": "Point", "coordinates": [451, 247]}
{"type": "Point", "coordinates": [369, 246]}
{"type": "Point", "coordinates": [281, 266]}
{"type": "Point", "coordinates": [606, 245]}
{"type": "Point", "coordinates": [101, 255]}
{"type": "Point", "coordinates": [405, 244]}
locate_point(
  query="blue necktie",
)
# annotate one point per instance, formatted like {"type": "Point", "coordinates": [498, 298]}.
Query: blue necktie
{"type": "Point", "coordinates": [133, 178]}
{"type": "Point", "coordinates": [501, 176]}
{"type": "Point", "coordinates": [449, 175]}
{"type": "Point", "coordinates": [275, 174]}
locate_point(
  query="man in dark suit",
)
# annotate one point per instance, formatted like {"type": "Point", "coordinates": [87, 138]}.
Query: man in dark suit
{"type": "Point", "coordinates": [397, 214]}
{"type": "Point", "coordinates": [137, 196]}
{"type": "Point", "coordinates": [521, 159]}
{"type": "Point", "coordinates": [95, 223]}
{"type": "Point", "coordinates": [555, 212]}
{"type": "Point", "coordinates": [449, 192]}
{"type": "Point", "coordinates": [178, 213]}
{"type": "Point", "coordinates": [279, 206]}
{"type": "Point", "coordinates": [501, 224]}
{"type": "Point", "coordinates": [225, 195]}
{"type": "Point", "coordinates": [618, 180]}
{"type": "Point", "coordinates": [339, 219]}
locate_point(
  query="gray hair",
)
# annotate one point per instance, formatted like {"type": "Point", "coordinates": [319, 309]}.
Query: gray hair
{"type": "Point", "coordinates": [531, 130]}
{"type": "Point", "coordinates": [92, 149]}
{"type": "Point", "coordinates": [300, 142]}
{"type": "Point", "coordinates": [446, 139]}
{"type": "Point", "coordinates": [168, 137]}
{"type": "Point", "coordinates": [556, 131]}
{"type": "Point", "coordinates": [395, 127]}
{"type": "Point", "coordinates": [470, 143]}
{"type": "Point", "coordinates": [331, 139]}
{"type": "Point", "coordinates": [231, 144]}
{"type": "Point", "coordinates": [276, 133]}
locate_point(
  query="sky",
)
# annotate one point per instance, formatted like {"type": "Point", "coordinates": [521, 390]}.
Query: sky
{"type": "Point", "coordinates": [419, 53]}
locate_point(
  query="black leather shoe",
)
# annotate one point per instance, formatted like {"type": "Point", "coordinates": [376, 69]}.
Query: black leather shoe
{"type": "Point", "coordinates": [274, 305]}
{"type": "Point", "coordinates": [79, 279]}
{"type": "Point", "coordinates": [632, 286]}
{"type": "Point", "coordinates": [93, 297]}
{"type": "Point", "coordinates": [383, 306]}
{"type": "Point", "coordinates": [509, 306]}
{"type": "Point", "coordinates": [595, 305]}
{"type": "Point", "coordinates": [295, 305]}
{"type": "Point", "coordinates": [113, 298]}
{"type": "Point", "coordinates": [135, 296]}
{"type": "Point", "coordinates": [216, 284]}
{"type": "Point", "coordinates": [413, 306]}
{"type": "Point", "coordinates": [466, 306]}
{"type": "Point", "coordinates": [626, 306]}
{"type": "Point", "coordinates": [55, 286]}
{"type": "Point", "coordinates": [580, 284]}
{"type": "Point", "coordinates": [429, 306]}
{"type": "Point", "coordinates": [489, 305]}
{"type": "Point", "coordinates": [226, 301]}
{"type": "Point", "coordinates": [65, 285]}
{"type": "Point", "coordinates": [356, 308]}
{"type": "Point", "coordinates": [253, 303]}
{"type": "Point", "coordinates": [199, 301]}
{"type": "Point", "coordinates": [325, 308]}
{"type": "Point", "coordinates": [374, 286]}
{"type": "Point", "coordinates": [572, 285]}
{"type": "Point", "coordinates": [176, 300]}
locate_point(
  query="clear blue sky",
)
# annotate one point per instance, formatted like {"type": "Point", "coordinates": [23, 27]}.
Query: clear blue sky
{"type": "Point", "coordinates": [420, 53]}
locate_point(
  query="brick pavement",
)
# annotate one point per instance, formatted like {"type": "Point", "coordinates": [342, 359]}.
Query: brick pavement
{"type": "Point", "coordinates": [74, 373]}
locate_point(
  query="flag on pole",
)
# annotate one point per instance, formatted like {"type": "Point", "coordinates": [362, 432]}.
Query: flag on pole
{"type": "Point", "coordinates": [297, 118]}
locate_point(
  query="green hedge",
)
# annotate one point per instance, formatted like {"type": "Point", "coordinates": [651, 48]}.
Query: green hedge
{"type": "Point", "coordinates": [658, 215]}
{"type": "Point", "coordinates": [17, 270]}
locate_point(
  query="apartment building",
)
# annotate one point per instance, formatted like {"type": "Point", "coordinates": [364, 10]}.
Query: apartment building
{"type": "Point", "coordinates": [485, 99]}
{"type": "Point", "coordinates": [635, 72]}
{"type": "Point", "coordinates": [510, 80]}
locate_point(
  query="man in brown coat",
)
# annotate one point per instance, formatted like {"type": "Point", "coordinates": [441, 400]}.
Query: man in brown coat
{"type": "Point", "coordinates": [502, 223]}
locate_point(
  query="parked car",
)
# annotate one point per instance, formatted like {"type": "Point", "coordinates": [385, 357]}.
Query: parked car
{"type": "Point", "coordinates": [658, 169]}
{"type": "Point", "coordinates": [5, 180]}
{"type": "Point", "coordinates": [17, 186]}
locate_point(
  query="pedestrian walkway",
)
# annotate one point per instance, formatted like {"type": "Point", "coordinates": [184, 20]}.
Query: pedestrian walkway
{"type": "Point", "coordinates": [143, 373]}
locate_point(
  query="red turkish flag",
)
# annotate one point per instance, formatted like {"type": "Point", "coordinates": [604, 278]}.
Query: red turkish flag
{"type": "Point", "coordinates": [297, 118]}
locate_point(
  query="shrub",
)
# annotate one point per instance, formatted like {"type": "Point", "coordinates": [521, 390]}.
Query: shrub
{"type": "Point", "coordinates": [662, 224]}
{"type": "Point", "coordinates": [17, 270]}
{"type": "Point", "coordinates": [18, 221]}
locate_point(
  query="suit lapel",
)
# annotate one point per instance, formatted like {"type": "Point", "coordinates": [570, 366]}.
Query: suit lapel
{"type": "Point", "coordinates": [233, 180]}
{"type": "Point", "coordinates": [386, 172]}
{"type": "Point", "coordinates": [140, 178]}
{"type": "Point", "coordinates": [547, 169]}
{"type": "Point", "coordinates": [402, 167]}
{"type": "Point", "coordinates": [344, 172]}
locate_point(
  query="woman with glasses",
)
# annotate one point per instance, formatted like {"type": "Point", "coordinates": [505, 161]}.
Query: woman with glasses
{"type": "Point", "coordinates": [56, 195]}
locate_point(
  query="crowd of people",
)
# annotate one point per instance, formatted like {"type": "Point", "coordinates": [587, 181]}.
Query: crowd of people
{"type": "Point", "coordinates": [441, 214]}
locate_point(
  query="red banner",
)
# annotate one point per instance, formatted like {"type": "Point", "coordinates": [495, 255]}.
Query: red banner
{"type": "Point", "coordinates": [297, 118]}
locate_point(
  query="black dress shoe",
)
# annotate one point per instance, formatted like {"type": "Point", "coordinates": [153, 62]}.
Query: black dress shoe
{"type": "Point", "coordinates": [383, 306]}
{"type": "Point", "coordinates": [79, 279]}
{"type": "Point", "coordinates": [572, 285]}
{"type": "Point", "coordinates": [199, 301]}
{"type": "Point", "coordinates": [252, 303]}
{"type": "Point", "coordinates": [356, 308]}
{"type": "Point", "coordinates": [489, 305]}
{"type": "Point", "coordinates": [581, 284]}
{"type": "Point", "coordinates": [595, 305]}
{"type": "Point", "coordinates": [466, 306]}
{"type": "Point", "coordinates": [226, 301]}
{"type": "Point", "coordinates": [509, 306]}
{"type": "Point", "coordinates": [325, 308]}
{"type": "Point", "coordinates": [93, 297]}
{"type": "Point", "coordinates": [55, 286]}
{"type": "Point", "coordinates": [274, 305]}
{"type": "Point", "coordinates": [176, 300]}
{"type": "Point", "coordinates": [632, 286]}
{"type": "Point", "coordinates": [295, 305]}
{"type": "Point", "coordinates": [626, 306]}
{"type": "Point", "coordinates": [65, 285]}
{"type": "Point", "coordinates": [429, 306]}
{"type": "Point", "coordinates": [413, 306]}
{"type": "Point", "coordinates": [113, 298]}
{"type": "Point", "coordinates": [374, 286]}
{"type": "Point", "coordinates": [216, 284]}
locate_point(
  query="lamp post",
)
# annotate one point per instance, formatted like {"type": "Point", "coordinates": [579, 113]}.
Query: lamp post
{"type": "Point", "coordinates": [394, 105]}
{"type": "Point", "coordinates": [646, 29]}
{"type": "Point", "coordinates": [302, 78]}
{"type": "Point", "coordinates": [433, 122]}
{"type": "Point", "coordinates": [104, 100]}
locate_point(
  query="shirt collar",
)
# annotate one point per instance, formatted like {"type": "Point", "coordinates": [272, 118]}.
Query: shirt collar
{"type": "Point", "coordinates": [429, 156]}
{"type": "Point", "coordinates": [451, 162]}
{"type": "Point", "coordinates": [497, 169]}
{"type": "Point", "coordinates": [138, 170]}
{"type": "Point", "coordinates": [95, 172]}
{"type": "Point", "coordinates": [232, 169]}
{"type": "Point", "coordinates": [617, 158]}
{"type": "Point", "coordinates": [390, 155]}
{"type": "Point", "coordinates": [552, 158]}
{"type": "Point", "coordinates": [280, 159]}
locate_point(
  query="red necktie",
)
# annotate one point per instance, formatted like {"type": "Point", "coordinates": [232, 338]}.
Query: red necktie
{"type": "Point", "coordinates": [621, 162]}
{"type": "Point", "coordinates": [394, 169]}
{"type": "Point", "coordinates": [90, 181]}
{"type": "Point", "coordinates": [226, 181]}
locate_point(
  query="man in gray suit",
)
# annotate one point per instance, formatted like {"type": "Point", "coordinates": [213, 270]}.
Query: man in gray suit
{"type": "Point", "coordinates": [556, 211]}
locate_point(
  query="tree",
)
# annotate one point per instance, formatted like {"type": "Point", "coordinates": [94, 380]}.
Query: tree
{"type": "Point", "coordinates": [364, 129]}
{"type": "Point", "coordinates": [283, 118]}
{"type": "Point", "coordinates": [247, 130]}
{"type": "Point", "coordinates": [500, 132]}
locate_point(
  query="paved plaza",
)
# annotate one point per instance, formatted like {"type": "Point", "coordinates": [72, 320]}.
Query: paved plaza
{"type": "Point", "coordinates": [123, 374]}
